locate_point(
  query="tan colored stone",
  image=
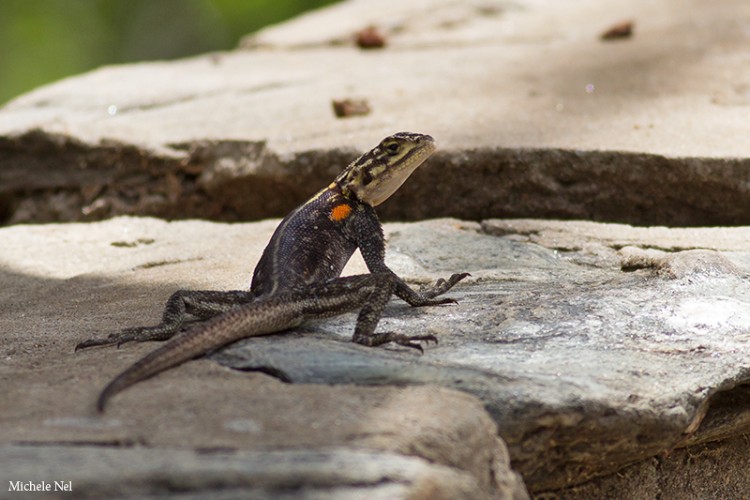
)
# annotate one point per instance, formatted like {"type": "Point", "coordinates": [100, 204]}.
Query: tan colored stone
{"type": "Point", "coordinates": [534, 115]}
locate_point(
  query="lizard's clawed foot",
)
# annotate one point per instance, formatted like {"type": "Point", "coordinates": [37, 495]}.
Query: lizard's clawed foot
{"type": "Point", "coordinates": [134, 334]}
{"type": "Point", "coordinates": [381, 338]}
{"type": "Point", "coordinates": [441, 286]}
{"type": "Point", "coordinates": [113, 338]}
{"type": "Point", "coordinates": [438, 302]}
{"type": "Point", "coordinates": [414, 341]}
{"type": "Point", "coordinates": [93, 343]}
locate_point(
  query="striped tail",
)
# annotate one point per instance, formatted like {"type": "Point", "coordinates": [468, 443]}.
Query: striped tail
{"type": "Point", "coordinates": [261, 317]}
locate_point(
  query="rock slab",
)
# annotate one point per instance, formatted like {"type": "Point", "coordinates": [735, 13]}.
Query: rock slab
{"type": "Point", "coordinates": [60, 285]}
{"type": "Point", "coordinates": [588, 348]}
{"type": "Point", "coordinates": [535, 116]}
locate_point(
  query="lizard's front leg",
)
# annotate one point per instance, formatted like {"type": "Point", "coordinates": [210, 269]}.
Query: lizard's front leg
{"type": "Point", "coordinates": [371, 311]}
{"type": "Point", "coordinates": [368, 233]}
{"type": "Point", "coordinates": [183, 305]}
{"type": "Point", "coordinates": [370, 293]}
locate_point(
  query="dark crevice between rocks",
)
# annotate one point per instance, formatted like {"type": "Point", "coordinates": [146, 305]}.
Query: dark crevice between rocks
{"type": "Point", "coordinates": [57, 179]}
{"type": "Point", "coordinates": [47, 177]}
{"type": "Point", "coordinates": [666, 249]}
{"type": "Point", "coordinates": [272, 371]}
{"type": "Point", "coordinates": [633, 188]}
{"type": "Point", "coordinates": [113, 443]}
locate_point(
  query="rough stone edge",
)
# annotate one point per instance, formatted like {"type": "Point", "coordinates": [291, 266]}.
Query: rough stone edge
{"type": "Point", "coordinates": [210, 179]}
{"type": "Point", "coordinates": [694, 472]}
{"type": "Point", "coordinates": [163, 472]}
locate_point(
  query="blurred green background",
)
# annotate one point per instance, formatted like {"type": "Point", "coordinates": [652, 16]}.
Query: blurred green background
{"type": "Point", "coordinates": [44, 40]}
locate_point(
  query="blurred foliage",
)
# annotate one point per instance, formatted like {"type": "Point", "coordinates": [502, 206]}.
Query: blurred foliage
{"type": "Point", "coordinates": [45, 40]}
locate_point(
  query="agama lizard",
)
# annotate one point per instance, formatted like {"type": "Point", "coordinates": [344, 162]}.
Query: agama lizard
{"type": "Point", "coordinates": [298, 275]}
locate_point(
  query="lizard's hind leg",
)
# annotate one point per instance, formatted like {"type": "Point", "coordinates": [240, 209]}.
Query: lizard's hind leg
{"type": "Point", "coordinates": [182, 306]}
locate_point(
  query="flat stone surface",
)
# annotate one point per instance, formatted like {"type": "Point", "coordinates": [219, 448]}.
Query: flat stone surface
{"type": "Point", "coordinates": [585, 365]}
{"type": "Point", "coordinates": [535, 115]}
{"type": "Point", "coordinates": [91, 472]}
{"type": "Point", "coordinates": [436, 76]}
{"type": "Point", "coordinates": [609, 357]}
{"type": "Point", "coordinates": [62, 283]}
{"type": "Point", "coordinates": [560, 343]}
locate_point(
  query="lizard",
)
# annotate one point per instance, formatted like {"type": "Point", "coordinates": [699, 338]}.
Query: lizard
{"type": "Point", "coordinates": [298, 275]}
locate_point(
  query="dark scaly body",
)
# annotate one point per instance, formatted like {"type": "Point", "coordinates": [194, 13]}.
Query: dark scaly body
{"type": "Point", "coordinates": [297, 277]}
{"type": "Point", "coordinates": [308, 246]}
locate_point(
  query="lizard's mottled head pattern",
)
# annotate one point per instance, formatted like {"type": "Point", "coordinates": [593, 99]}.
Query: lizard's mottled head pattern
{"type": "Point", "coordinates": [376, 175]}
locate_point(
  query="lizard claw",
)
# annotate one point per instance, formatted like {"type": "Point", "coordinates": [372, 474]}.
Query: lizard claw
{"type": "Point", "coordinates": [120, 338]}
{"type": "Point", "coordinates": [134, 334]}
{"type": "Point", "coordinates": [441, 286]}
{"type": "Point", "coordinates": [92, 343]}
{"type": "Point", "coordinates": [408, 341]}
{"type": "Point", "coordinates": [397, 338]}
{"type": "Point", "coordinates": [455, 278]}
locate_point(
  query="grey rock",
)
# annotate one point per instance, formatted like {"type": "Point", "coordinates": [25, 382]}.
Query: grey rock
{"type": "Point", "coordinates": [142, 473]}
{"type": "Point", "coordinates": [567, 350]}
{"type": "Point", "coordinates": [587, 358]}
{"type": "Point", "coordinates": [610, 358]}
{"type": "Point", "coordinates": [64, 283]}
{"type": "Point", "coordinates": [536, 117]}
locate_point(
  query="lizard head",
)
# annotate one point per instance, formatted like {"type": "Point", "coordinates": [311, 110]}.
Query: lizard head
{"type": "Point", "coordinates": [377, 174]}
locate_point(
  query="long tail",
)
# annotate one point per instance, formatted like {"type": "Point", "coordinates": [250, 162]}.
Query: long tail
{"type": "Point", "coordinates": [257, 318]}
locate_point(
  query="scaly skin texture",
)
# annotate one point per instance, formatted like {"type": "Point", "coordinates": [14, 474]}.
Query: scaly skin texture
{"type": "Point", "coordinates": [298, 275]}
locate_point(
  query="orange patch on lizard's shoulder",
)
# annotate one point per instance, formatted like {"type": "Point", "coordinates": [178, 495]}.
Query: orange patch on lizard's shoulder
{"type": "Point", "coordinates": [340, 212]}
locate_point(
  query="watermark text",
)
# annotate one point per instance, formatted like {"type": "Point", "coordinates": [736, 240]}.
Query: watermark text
{"type": "Point", "coordinates": [27, 486]}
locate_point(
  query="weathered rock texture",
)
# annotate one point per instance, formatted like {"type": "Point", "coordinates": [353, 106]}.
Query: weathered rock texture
{"type": "Point", "coordinates": [536, 116]}
{"type": "Point", "coordinates": [587, 358]}
{"type": "Point", "coordinates": [589, 348]}
{"type": "Point", "coordinates": [208, 430]}
{"type": "Point", "coordinates": [612, 359]}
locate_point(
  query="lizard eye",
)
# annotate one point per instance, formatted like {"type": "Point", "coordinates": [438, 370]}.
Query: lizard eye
{"type": "Point", "coordinates": [392, 148]}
